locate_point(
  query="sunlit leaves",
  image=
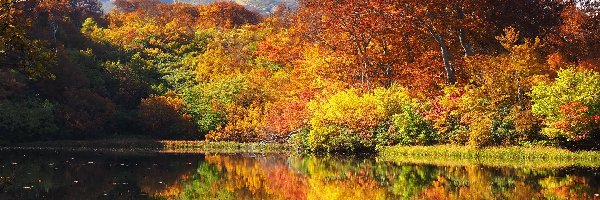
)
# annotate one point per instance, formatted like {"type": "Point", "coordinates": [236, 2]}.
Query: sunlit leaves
{"type": "Point", "coordinates": [570, 105]}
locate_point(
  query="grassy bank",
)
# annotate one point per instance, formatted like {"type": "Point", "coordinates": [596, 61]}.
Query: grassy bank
{"type": "Point", "coordinates": [541, 157]}
{"type": "Point", "coordinates": [447, 155]}
{"type": "Point", "coordinates": [224, 147]}
{"type": "Point", "coordinates": [167, 146]}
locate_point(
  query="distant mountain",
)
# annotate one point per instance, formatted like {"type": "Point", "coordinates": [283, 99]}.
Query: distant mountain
{"type": "Point", "coordinates": [260, 6]}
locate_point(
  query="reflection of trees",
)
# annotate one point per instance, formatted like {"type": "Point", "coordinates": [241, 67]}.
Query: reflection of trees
{"type": "Point", "coordinates": [339, 178]}
{"type": "Point", "coordinates": [244, 177]}
{"type": "Point", "coordinates": [276, 177]}
{"type": "Point", "coordinates": [267, 177]}
{"type": "Point", "coordinates": [478, 182]}
{"type": "Point", "coordinates": [568, 187]}
{"type": "Point", "coordinates": [206, 184]}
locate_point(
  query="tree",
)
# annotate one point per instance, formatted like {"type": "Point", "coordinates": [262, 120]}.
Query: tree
{"type": "Point", "coordinates": [575, 40]}
{"type": "Point", "coordinates": [570, 105]}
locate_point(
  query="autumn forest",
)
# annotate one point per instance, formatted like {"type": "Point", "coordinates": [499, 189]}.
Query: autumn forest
{"type": "Point", "coordinates": [327, 76]}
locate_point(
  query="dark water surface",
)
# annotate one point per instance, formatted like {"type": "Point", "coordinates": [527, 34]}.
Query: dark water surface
{"type": "Point", "coordinates": [44, 174]}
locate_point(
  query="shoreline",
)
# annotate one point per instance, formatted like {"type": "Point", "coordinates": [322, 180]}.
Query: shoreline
{"type": "Point", "coordinates": [154, 146]}
{"type": "Point", "coordinates": [537, 157]}
{"type": "Point", "coordinates": [447, 155]}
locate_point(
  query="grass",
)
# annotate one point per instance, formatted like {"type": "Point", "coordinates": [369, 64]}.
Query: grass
{"type": "Point", "coordinates": [539, 157]}
{"type": "Point", "coordinates": [224, 147]}
{"type": "Point", "coordinates": [166, 146]}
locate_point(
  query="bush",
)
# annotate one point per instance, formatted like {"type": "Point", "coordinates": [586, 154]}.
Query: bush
{"type": "Point", "coordinates": [350, 121]}
{"type": "Point", "coordinates": [229, 109]}
{"type": "Point", "coordinates": [344, 121]}
{"type": "Point", "coordinates": [244, 124]}
{"type": "Point", "coordinates": [409, 127]}
{"type": "Point", "coordinates": [570, 105]}
{"type": "Point", "coordinates": [26, 121]}
{"type": "Point", "coordinates": [299, 140]}
{"type": "Point", "coordinates": [162, 117]}
{"type": "Point", "coordinates": [206, 102]}
{"type": "Point", "coordinates": [446, 113]}
{"type": "Point", "coordinates": [87, 114]}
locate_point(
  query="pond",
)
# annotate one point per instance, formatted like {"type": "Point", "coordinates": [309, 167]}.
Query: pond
{"type": "Point", "coordinates": [45, 174]}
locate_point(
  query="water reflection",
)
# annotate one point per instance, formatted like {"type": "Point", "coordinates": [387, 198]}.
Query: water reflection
{"type": "Point", "coordinates": [91, 175]}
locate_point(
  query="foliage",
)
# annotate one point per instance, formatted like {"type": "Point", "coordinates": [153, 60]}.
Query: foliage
{"type": "Point", "coordinates": [163, 117]}
{"type": "Point", "coordinates": [327, 76]}
{"type": "Point", "coordinates": [205, 102]}
{"type": "Point", "coordinates": [29, 120]}
{"type": "Point", "coordinates": [409, 128]}
{"type": "Point", "coordinates": [570, 105]}
{"type": "Point", "coordinates": [352, 121]}
{"type": "Point", "coordinates": [494, 108]}
{"type": "Point", "coordinates": [227, 109]}
{"type": "Point", "coordinates": [86, 114]}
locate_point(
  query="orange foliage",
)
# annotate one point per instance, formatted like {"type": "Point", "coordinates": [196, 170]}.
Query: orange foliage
{"type": "Point", "coordinates": [162, 117]}
{"type": "Point", "coordinates": [575, 119]}
{"type": "Point", "coordinates": [228, 15]}
{"type": "Point", "coordinates": [286, 117]}
{"type": "Point", "coordinates": [268, 178]}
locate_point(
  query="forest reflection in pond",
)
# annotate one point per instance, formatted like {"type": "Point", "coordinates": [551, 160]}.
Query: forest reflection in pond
{"type": "Point", "coordinates": [30, 174]}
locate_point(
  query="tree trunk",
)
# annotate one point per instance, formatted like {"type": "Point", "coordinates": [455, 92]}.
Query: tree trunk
{"type": "Point", "coordinates": [462, 35]}
{"type": "Point", "coordinates": [446, 56]}
{"type": "Point", "coordinates": [387, 67]}
{"type": "Point", "coordinates": [450, 77]}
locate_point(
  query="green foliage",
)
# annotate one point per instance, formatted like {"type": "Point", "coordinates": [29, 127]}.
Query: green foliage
{"type": "Point", "coordinates": [222, 73]}
{"type": "Point", "coordinates": [29, 120]}
{"type": "Point", "coordinates": [206, 102]}
{"type": "Point", "coordinates": [299, 141]}
{"type": "Point", "coordinates": [570, 105]}
{"type": "Point", "coordinates": [409, 128]}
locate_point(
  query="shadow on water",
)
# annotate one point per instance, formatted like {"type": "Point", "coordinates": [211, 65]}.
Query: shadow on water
{"type": "Point", "coordinates": [35, 174]}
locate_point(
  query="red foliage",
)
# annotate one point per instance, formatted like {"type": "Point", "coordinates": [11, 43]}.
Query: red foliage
{"type": "Point", "coordinates": [576, 120]}
{"type": "Point", "coordinates": [286, 117]}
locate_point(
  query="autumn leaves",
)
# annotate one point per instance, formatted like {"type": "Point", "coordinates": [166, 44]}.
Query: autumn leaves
{"type": "Point", "coordinates": [330, 76]}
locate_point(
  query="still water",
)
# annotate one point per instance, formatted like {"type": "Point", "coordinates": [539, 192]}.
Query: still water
{"type": "Point", "coordinates": [37, 174]}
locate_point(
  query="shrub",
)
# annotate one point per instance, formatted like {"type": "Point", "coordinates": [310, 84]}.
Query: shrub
{"type": "Point", "coordinates": [244, 124]}
{"type": "Point", "coordinates": [162, 117]}
{"type": "Point", "coordinates": [350, 121]}
{"type": "Point", "coordinates": [229, 109]}
{"type": "Point", "coordinates": [299, 140]}
{"type": "Point", "coordinates": [446, 114]}
{"type": "Point", "coordinates": [409, 127]}
{"type": "Point", "coordinates": [570, 105]}
{"type": "Point", "coordinates": [285, 117]}
{"type": "Point", "coordinates": [334, 138]}
{"type": "Point", "coordinates": [341, 116]}
{"type": "Point", "coordinates": [87, 114]}
{"type": "Point", "coordinates": [29, 120]}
